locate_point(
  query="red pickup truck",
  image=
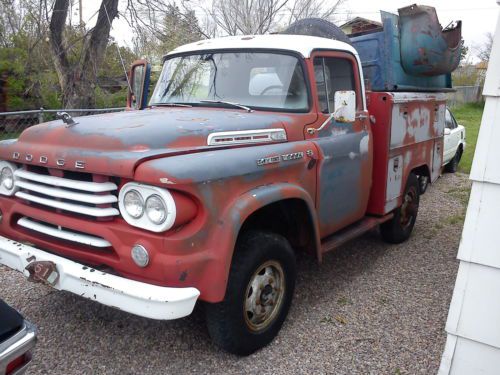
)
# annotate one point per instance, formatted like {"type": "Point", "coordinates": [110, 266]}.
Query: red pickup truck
{"type": "Point", "coordinates": [251, 149]}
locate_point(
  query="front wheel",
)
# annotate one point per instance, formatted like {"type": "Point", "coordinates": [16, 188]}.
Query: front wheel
{"type": "Point", "coordinates": [399, 228]}
{"type": "Point", "coordinates": [258, 296]}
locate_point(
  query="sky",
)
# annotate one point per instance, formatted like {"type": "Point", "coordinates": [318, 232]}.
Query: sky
{"type": "Point", "coordinates": [478, 17]}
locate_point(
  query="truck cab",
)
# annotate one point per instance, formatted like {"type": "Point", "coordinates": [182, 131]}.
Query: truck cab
{"type": "Point", "coordinates": [250, 149]}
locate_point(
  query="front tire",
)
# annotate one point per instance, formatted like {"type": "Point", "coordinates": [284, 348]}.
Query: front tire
{"type": "Point", "coordinates": [399, 228]}
{"type": "Point", "coordinates": [258, 296]}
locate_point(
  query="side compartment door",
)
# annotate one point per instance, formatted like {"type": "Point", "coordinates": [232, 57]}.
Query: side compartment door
{"type": "Point", "coordinates": [345, 148]}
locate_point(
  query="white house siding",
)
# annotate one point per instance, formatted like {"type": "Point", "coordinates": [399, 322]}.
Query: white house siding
{"type": "Point", "coordinates": [473, 326]}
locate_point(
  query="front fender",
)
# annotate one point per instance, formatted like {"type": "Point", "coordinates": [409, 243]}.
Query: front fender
{"type": "Point", "coordinates": [245, 205]}
{"type": "Point", "coordinates": [229, 185]}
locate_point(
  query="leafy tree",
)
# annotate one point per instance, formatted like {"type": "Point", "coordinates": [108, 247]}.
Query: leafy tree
{"type": "Point", "coordinates": [178, 28]}
{"type": "Point", "coordinates": [78, 77]}
{"type": "Point", "coordinates": [483, 50]}
{"type": "Point", "coordinates": [464, 52]}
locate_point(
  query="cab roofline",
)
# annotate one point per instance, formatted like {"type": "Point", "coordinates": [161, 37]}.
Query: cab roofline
{"type": "Point", "coordinates": [302, 44]}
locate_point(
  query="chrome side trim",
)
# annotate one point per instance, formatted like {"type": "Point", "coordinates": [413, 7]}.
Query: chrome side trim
{"type": "Point", "coordinates": [80, 209]}
{"type": "Point", "coordinates": [64, 234]}
{"type": "Point", "coordinates": [246, 136]}
{"type": "Point", "coordinates": [93, 187]}
{"type": "Point", "coordinates": [67, 194]}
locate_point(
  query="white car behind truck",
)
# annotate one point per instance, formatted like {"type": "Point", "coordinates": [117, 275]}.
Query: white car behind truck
{"type": "Point", "coordinates": [454, 143]}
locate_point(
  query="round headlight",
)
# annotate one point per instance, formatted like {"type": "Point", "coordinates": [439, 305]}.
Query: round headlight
{"type": "Point", "coordinates": [156, 209]}
{"type": "Point", "coordinates": [7, 178]}
{"type": "Point", "coordinates": [134, 204]}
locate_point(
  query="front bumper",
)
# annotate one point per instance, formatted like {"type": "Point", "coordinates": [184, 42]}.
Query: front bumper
{"type": "Point", "coordinates": [150, 301]}
{"type": "Point", "coordinates": [22, 343]}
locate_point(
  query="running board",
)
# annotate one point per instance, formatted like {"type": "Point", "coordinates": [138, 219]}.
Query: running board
{"type": "Point", "coordinates": [352, 231]}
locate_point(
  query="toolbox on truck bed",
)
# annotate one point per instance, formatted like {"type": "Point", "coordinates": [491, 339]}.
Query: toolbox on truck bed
{"type": "Point", "coordinates": [407, 135]}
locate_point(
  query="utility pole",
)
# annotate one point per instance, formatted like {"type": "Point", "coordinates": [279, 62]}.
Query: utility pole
{"type": "Point", "coordinates": [80, 8]}
{"type": "Point", "coordinates": [473, 342]}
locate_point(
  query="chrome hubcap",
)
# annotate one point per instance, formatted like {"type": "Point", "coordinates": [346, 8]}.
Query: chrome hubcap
{"type": "Point", "coordinates": [264, 295]}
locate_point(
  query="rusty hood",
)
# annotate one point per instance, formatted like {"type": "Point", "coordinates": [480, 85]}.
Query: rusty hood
{"type": "Point", "coordinates": [115, 143]}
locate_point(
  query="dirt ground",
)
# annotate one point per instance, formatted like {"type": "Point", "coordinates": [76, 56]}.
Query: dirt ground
{"type": "Point", "coordinates": [370, 308]}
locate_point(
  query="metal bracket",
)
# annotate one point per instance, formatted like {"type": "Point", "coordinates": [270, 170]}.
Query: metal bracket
{"type": "Point", "coordinates": [67, 119]}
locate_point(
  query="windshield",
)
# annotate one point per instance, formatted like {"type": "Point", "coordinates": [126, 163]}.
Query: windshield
{"type": "Point", "coordinates": [256, 80]}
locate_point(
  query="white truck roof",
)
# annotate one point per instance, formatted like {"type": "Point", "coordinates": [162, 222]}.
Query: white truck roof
{"type": "Point", "coordinates": [302, 44]}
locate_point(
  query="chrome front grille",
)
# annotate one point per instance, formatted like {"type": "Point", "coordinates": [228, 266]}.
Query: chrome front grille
{"type": "Point", "coordinates": [63, 233]}
{"type": "Point", "coordinates": [82, 197]}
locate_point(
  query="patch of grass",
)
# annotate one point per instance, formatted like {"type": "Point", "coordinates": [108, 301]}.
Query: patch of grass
{"type": "Point", "coordinates": [343, 301]}
{"type": "Point", "coordinates": [327, 319]}
{"type": "Point", "coordinates": [455, 219]}
{"type": "Point", "coordinates": [469, 115]}
{"type": "Point", "coordinates": [383, 300]}
{"type": "Point", "coordinates": [461, 193]}
{"type": "Point", "coordinates": [431, 233]}
{"type": "Point", "coordinates": [330, 320]}
{"type": "Point", "coordinates": [341, 319]}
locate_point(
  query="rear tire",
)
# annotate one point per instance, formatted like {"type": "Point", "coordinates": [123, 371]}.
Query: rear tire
{"type": "Point", "coordinates": [399, 228]}
{"type": "Point", "coordinates": [423, 182]}
{"type": "Point", "coordinates": [258, 296]}
{"type": "Point", "coordinates": [317, 27]}
{"type": "Point", "coordinates": [452, 166]}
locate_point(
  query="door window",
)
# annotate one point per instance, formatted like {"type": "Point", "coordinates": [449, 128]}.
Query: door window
{"type": "Point", "coordinates": [332, 74]}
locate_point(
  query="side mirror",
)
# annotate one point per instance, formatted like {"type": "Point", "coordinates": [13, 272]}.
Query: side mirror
{"type": "Point", "coordinates": [139, 77]}
{"type": "Point", "coordinates": [447, 131]}
{"type": "Point", "coordinates": [345, 106]}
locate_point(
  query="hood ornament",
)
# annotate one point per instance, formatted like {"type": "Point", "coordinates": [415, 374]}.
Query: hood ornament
{"type": "Point", "coordinates": [66, 117]}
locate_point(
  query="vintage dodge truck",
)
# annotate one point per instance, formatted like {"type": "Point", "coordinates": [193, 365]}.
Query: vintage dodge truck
{"type": "Point", "coordinates": [251, 149]}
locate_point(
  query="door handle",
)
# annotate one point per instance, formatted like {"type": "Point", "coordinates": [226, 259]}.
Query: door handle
{"type": "Point", "coordinates": [362, 117]}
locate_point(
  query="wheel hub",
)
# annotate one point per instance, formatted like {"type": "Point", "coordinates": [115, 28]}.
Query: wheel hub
{"type": "Point", "coordinates": [409, 208]}
{"type": "Point", "coordinates": [264, 295]}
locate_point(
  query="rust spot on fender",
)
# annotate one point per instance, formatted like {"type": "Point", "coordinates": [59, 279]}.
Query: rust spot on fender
{"type": "Point", "coordinates": [183, 276]}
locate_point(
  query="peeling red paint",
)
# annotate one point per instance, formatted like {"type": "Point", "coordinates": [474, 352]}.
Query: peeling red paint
{"type": "Point", "coordinates": [216, 189]}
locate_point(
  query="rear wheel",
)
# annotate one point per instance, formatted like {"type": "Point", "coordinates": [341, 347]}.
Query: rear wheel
{"type": "Point", "coordinates": [452, 166]}
{"type": "Point", "coordinates": [258, 296]}
{"type": "Point", "coordinates": [423, 182]}
{"type": "Point", "coordinates": [399, 228]}
{"type": "Point", "coordinates": [317, 27]}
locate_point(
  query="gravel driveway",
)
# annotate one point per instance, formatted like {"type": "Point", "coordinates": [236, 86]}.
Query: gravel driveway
{"type": "Point", "coordinates": [370, 308]}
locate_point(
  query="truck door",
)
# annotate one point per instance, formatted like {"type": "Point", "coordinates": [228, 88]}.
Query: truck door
{"type": "Point", "coordinates": [345, 148]}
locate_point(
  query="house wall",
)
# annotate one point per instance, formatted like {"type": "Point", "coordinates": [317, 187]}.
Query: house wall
{"type": "Point", "coordinates": [473, 341]}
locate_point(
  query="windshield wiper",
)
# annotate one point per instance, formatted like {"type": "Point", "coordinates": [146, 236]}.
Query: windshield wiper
{"type": "Point", "coordinates": [237, 105]}
{"type": "Point", "coordinates": [170, 105]}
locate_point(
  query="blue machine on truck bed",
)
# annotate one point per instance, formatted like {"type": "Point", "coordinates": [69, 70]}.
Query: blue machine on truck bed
{"type": "Point", "coordinates": [411, 52]}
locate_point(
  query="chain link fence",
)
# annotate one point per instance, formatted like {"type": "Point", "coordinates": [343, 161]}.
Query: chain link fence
{"type": "Point", "coordinates": [13, 123]}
